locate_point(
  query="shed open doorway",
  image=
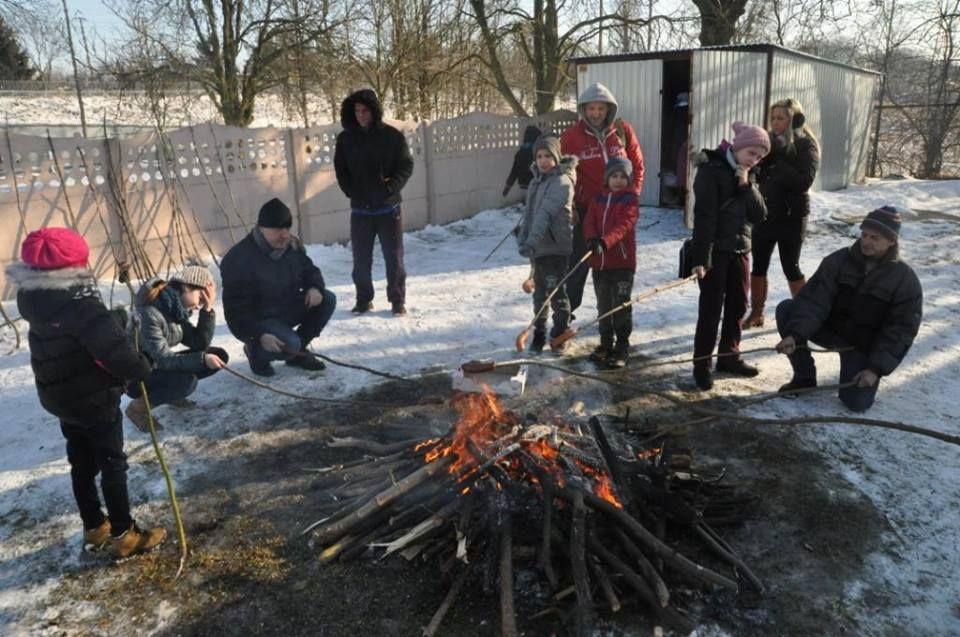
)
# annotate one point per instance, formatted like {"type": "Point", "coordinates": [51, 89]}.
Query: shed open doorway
{"type": "Point", "coordinates": [675, 132]}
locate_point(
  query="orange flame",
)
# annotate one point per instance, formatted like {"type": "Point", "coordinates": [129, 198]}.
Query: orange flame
{"type": "Point", "coordinates": [483, 422]}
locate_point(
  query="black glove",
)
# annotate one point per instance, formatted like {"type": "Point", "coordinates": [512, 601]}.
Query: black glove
{"type": "Point", "coordinates": [596, 245]}
{"type": "Point", "coordinates": [506, 189]}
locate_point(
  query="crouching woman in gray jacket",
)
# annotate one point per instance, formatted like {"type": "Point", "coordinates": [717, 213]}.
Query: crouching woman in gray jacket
{"type": "Point", "coordinates": [160, 322]}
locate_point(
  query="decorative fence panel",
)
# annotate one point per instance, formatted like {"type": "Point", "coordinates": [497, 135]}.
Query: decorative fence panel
{"type": "Point", "coordinates": [197, 190]}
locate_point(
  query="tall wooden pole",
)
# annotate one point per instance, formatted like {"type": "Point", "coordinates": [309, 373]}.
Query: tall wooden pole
{"type": "Point", "coordinates": [76, 75]}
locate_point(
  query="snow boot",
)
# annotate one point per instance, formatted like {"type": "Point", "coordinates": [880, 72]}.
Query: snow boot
{"type": "Point", "coordinates": [795, 286]}
{"type": "Point", "coordinates": [758, 299]}
{"type": "Point", "coordinates": [618, 358]}
{"type": "Point", "coordinates": [306, 360]}
{"type": "Point", "coordinates": [538, 342]}
{"type": "Point", "coordinates": [260, 368]}
{"type": "Point", "coordinates": [96, 539]}
{"type": "Point", "coordinates": [135, 541]}
{"type": "Point", "coordinates": [136, 411]}
{"type": "Point", "coordinates": [362, 308]}
{"type": "Point", "coordinates": [736, 366]}
{"type": "Point", "coordinates": [790, 389]}
{"type": "Point", "coordinates": [703, 378]}
{"type": "Point", "coordinates": [601, 353]}
{"type": "Point", "coordinates": [398, 309]}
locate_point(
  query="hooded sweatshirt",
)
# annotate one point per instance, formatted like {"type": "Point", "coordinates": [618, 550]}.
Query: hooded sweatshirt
{"type": "Point", "coordinates": [593, 147]}
{"type": "Point", "coordinates": [372, 164]}
{"type": "Point", "coordinates": [521, 173]}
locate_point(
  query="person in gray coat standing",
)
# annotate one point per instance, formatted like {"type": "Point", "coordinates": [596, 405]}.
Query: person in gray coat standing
{"type": "Point", "coordinates": [545, 235]}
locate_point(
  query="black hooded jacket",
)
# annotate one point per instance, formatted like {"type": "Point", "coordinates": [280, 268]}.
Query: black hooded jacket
{"type": "Point", "coordinates": [79, 351]}
{"type": "Point", "coordinates": [373, 164]}
{"type": "Point", "coordinates": [785, 177]}
{"type": "Point", "coordinates": [523, 159]}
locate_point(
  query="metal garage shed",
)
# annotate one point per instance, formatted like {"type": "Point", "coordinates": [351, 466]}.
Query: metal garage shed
{"type": "Point", "coordinates": [727, 83]}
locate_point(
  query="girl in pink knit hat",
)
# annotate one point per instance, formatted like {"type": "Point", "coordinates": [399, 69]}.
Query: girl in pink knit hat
{"type": "Point", "coordinates": [726, 204]}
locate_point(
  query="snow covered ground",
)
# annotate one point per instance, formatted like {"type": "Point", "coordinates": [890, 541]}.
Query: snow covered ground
{"type": "Point", "coordinates": [461, 309]}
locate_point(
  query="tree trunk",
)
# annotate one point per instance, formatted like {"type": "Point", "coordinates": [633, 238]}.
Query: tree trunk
{"type": "Point", "coordinates": [718, 20]}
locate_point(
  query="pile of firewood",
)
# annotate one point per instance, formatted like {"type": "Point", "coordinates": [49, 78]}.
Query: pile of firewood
{"type": "Point", "coordinates": [577, 504]}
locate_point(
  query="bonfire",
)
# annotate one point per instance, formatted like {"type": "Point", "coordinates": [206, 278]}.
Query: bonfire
{"type": "Point", "coordinates": [573, 502]}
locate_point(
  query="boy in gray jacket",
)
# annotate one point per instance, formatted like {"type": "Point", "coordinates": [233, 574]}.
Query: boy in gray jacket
{"type": "Point", "coordinates": [545, 235]}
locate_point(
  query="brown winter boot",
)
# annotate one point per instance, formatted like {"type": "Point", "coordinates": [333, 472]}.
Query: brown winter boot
{"type": "Point", "coordinates": [96, 539]}
{"type": "Point", "coordinates": [758, 298]}
{"type": "Point", "coordinates": [796, 285]}
{"type": "Point", "coordinates": [137, 413]}
{"type": "Point", "coordinates": [134, 541]}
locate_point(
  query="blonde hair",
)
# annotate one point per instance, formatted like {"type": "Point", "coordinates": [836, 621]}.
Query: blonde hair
{"type": "Point", "coordinates": [793, 109]}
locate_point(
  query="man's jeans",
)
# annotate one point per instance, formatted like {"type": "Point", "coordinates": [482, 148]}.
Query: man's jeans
{"type": "Point", "coordinates": [852, 361]}
{"type": "Point", "coordinates": [311, 323]}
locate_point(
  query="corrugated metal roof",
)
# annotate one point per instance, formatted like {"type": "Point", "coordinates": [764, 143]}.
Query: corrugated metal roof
{"type": "Point", "coordinates": [682, 53]}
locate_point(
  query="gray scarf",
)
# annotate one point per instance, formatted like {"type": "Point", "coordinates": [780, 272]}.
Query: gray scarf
{"type": "Point", "coordinates": [269, 250]}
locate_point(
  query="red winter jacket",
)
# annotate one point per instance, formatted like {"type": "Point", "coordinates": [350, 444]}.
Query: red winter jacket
{"type": "Point", "coordinates": [579, 141]}
{"type": "Point", "coordinates": [612, 217]}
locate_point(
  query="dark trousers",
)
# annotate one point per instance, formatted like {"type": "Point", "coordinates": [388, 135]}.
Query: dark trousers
{"type": "Point", "coordinates": [97, 448]}
{"type": "Point", "coordinates": [613, 288]}
{"type": "Point", "coordinates": [165, 386]}
{"type": "Point", "coordinates": [311, 322]}
{"type": "Point", "coordinates": [547, 273]}
{"type": "Point", "coordinates": [577, 280]}
{"type": "Point", "coordinates": [786, 234]}
{"type": "Point", "coordinates": [723, 289]}
{"type": "Point", "coordinates": [852, 361]}
{"type": "Point", "coordinates": [389, 229]}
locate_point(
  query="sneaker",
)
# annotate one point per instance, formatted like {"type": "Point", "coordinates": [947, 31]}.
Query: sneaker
{"type": "Point", "coordinates": [307, 361]}
{"type": "Point", "coordinates": [135, 541]}
{"type": "Point", "coordinates": [791, 388]}
{"type": "Point", "coordinates": [136, 411]}
{"type": "Point", "coordinates": [736, 366]}
{"type": "Point", "coordinates": [362, 308]}
{"type": "Point", "coordinates": [259, 368]}
{"type": "Point", "coordinates": [96, 539]}
{"type": "Point", "coordinates": [538, 342]}
{"type": "Point", "coordinates": [398, 309]}
{"type": "Point", "coordinates": [703, 378]}
{"type": "Point", "coordinates": [601, 353]}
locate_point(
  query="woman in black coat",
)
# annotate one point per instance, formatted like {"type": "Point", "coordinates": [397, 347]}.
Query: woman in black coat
{"type": "Point", "coordinates": [785, 176]}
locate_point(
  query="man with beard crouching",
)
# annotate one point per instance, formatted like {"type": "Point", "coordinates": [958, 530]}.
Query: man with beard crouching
{"type": "Point", "coordinates": [274, 297]}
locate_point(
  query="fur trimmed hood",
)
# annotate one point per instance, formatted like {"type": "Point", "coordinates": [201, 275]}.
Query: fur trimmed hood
{"type": "Point", "coordinates": [27, 278]}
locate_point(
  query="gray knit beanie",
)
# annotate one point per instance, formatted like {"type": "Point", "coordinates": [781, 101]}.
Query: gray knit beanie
{"type": "Point", "coordinates": [617, 164]}
{"type": "Point", "coordinates": [193, 275]}
{"type": "Point", "coordinates": [548, 143]}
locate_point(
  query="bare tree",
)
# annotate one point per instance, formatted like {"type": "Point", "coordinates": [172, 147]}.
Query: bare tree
{"type": "Point", "coordinates": [546, 46]}
{"type": "Point", "coordinates": [231, 48]}
{"type": "Point", "coordinates": [41, 30]}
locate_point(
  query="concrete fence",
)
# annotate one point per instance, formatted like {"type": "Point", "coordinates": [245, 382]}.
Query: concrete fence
{"type": "Point", "coordinates": [215, 178]}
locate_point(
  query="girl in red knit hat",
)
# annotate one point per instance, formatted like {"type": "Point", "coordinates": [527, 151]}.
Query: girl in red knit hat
{"type": "Point", "coordinates": [726, 203]}
{"type": "Point", "coordinates": [82, 359]}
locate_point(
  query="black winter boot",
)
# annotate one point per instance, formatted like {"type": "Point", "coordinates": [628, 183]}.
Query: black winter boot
{"type": "Point", "coordinates": [797, 383]}
{"type": "Point", "coordinates": [538, 342]}
{"type": "Point", "coordinates": [602, 351]}
{"type": "Point", "coordinates": [703, 378]}
{"type": "Point", "coordinates": [305, 360]}
{"type": "Point", "coordinates": [736, 366]}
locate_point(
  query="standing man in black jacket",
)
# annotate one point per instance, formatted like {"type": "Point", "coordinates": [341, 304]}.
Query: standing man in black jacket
{"type": "Point", "coordinates": [373, 163]}
{"type": "Point", "coordinates": [274, 297]}
{"type": "Point", "coordinates": [82, 359]}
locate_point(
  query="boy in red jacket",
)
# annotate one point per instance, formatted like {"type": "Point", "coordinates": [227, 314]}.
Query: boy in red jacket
{"type": "Point", "coordinates": [609, 231]}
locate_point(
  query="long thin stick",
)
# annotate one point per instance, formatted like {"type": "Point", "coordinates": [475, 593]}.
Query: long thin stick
{"type": "Point", "coordinates": [508, 617]}
{"type": "Point", "coordinates": [502, 241]}
{"type": "Point", "coordinates": [213, 190]}
{"type": "Point", "coordinates": [571, 332]}
{"type": "Point", "coordinates": [226, 181]}
{"type": "Point", "coordinates": [13, 174]}
{"type": "Point", "coordinates": [283, 392]}
{"type": "Point", "coordinates": [448, 601]}
{"type": "Point", "coordinates": [171, 490]}
{"type": "Point", "coordinates": [63, 186]}
{"type": "Point", "coordinates": [522, 336]}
